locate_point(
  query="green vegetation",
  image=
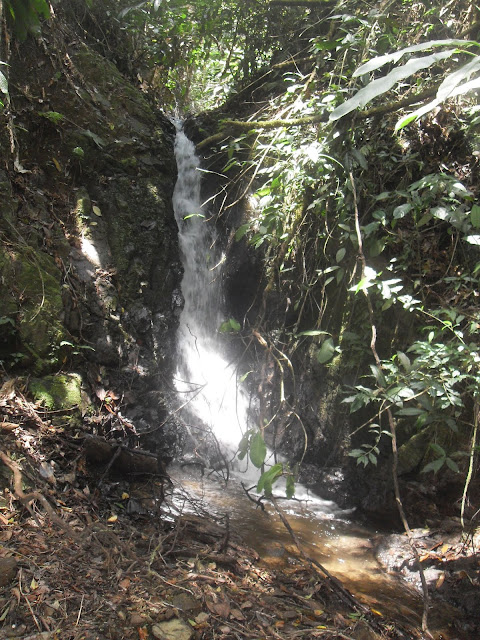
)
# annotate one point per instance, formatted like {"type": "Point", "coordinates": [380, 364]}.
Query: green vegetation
{"type": "Point", "coordinates": [353, 137]}
{"type": "Point", "coordinates": [325, 139]}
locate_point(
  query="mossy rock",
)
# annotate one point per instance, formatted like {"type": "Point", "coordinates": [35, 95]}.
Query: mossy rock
{"type": "Point", "coordinates": [412, 452]}
{"type": "Point", "coordinates": [30, 294]}
{"type": "Point", "coordinates": [57, 392]}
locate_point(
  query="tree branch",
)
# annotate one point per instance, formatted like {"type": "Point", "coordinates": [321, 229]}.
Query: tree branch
{"type": "Point", "coordinates": [228, 128]}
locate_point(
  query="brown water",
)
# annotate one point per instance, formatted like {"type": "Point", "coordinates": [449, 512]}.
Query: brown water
{"type": "Point", "coordinates": [327, 534]}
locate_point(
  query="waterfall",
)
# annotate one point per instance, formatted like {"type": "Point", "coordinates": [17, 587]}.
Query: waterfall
{"type": "Point", "coordinates": [212, 399]}
{"type": "Point", "coordinates": [206, 383]}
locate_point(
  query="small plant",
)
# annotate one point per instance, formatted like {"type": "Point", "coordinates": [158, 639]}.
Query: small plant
{"type": "Point", "coordinates": [53, 116]}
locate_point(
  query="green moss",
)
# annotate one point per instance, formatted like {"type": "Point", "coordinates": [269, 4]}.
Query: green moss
{"type": "Point", "coordinates": [129, 163]}
{"type": "Point", "coordinates": [83, 208]}
{"type": "Point", "coordinates": [30, 294]}
{"type": "Point", "coordinates": [122, 96]}
{"type": "Point", "coordinates": [57, 392]}
{"type": "Point", "coordinates": [412, 452]}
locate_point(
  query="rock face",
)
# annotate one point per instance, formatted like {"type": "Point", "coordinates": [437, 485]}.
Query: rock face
{"type": "Point", "coordinates": [88, 256]}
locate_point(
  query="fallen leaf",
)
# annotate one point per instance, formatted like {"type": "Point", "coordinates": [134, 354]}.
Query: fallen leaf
{"type": "Point", "coordinates": [124, 584]}
{"type": "Point", "coordinates": [113, 518]}
{"type": "Point", "coordinates": [221, 609]}
{"type": "Point", "coordinates": [202, 617]}
{"type": "Point", "coordinates": [237, 614]}
{"type": "Point", "coordinates": [142, 633]}
{"type": "Point", "coordinates": [440, 581]}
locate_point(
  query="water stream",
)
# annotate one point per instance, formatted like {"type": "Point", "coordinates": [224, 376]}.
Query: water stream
{"type": "Point", "coordinates": [213, 401]}
{"type": "Point", "coordinates": [205, 381]}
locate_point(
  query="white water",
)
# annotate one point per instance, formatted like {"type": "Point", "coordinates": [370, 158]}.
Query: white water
{"type": "Point", "coordinates": [207, 384]}
{"type": "Point", "coordinates": [205, 381]}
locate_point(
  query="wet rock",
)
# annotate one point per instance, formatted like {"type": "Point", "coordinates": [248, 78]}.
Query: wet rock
{"type": "Point", "coordinates": [8, 570]}
{"type": "Point", "coordinates": [172, 630]}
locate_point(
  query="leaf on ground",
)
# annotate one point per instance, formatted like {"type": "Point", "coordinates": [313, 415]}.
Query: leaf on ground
{"type": "Point", "coordinates": [221, 609]}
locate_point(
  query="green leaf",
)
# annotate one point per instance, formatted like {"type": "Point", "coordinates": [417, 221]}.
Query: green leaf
{"type": "Point", "coordinates": [404, 361]}
{"type": "Point", "coordinates": [402, 210]}
{"type": "Point", "coordinates": [229, 325]}
{"type": "Point", "coordinates": [3, 84]}
{"type": "Point", "coordinates": [380, 61]}
{"type": "Point", "coordinates": [326, 351]}
{"type": "Point", "coordinates": [356, 453]}
{"type": "Point", "coordinates": [258, 450]}
{"type": "Point", "coordinates": [434, 466]}
{"type": "Point", "coordinates": [268, 478]}
{"type": "Point", "coordinates": [448, 89]}
{"type": "Point", "coordinates": [378, 374]}
{"type": "Point", "coordinates": [193, 215]}
{"type": "Point", "coordinates": [377, 87]}
{"type": "Point", "coordinates": [451, 464]}
{"type": "Point", "coordinates": [475, 216]}
{"type": "Point", "coordinates": [290, 487]}
{"type": "Point", "coordinates": [452, 424]}
{"type": "Point", "coordinates": [438, 449]}
{"type": "Point", "coordinates": [93, 136]}
{"type": "Point", "coordinates": [241, 231]}
{"type": "Point", "coordinates": [410, 411]}
{"type": "Point", "coordinates": [340, 254]}
{"type": "Point", "coordinates": [376, 247]}
{"type": "Point", "coordinates": [312, 332]}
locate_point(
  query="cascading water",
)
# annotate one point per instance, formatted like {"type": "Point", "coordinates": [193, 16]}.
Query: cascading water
{"type": "Point", "coordinates": [206, 383]}
{"type": "Point", "coordinates": [212, 398]}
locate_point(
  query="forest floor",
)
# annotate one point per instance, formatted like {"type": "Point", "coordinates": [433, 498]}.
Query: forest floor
{"type": "Point", "coordinates": [86, 555]}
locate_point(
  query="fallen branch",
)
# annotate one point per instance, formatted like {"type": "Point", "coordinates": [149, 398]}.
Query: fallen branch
{"type": "Point", "coordinates": [120, 458]}
{"type": "Point", "coordinates": [27, 498]}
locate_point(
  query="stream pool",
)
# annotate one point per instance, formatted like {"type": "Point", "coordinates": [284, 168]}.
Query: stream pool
{"type": "Point", "coordinates": [327, 534]}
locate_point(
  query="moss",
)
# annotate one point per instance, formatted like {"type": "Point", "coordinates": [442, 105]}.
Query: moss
{"type": "Point", "coordinates": [59, 392]}
{"type": "Point", "coordinates": [412, 452]}
{"type": "Point", "coordinates": [129, 163]}
{"type": "Point", "coordinates": [105, 77]}
{"type": "Point", "coordinates": [83, 208]}
{"type": "Point", "coordinates": [30, 294]}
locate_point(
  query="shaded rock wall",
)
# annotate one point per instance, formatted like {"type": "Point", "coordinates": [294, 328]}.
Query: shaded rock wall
{"type": "Point", "coordinates": [88, 256]}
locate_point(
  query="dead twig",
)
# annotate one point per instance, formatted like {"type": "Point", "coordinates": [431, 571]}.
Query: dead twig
{"type": "Point", "coordinates": [37, 624]}
{"type": "Point", "coordinates": [27, 498]}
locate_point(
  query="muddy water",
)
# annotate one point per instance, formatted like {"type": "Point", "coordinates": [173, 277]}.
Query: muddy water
{"type": "Point", "coordinates": [327, 534]}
